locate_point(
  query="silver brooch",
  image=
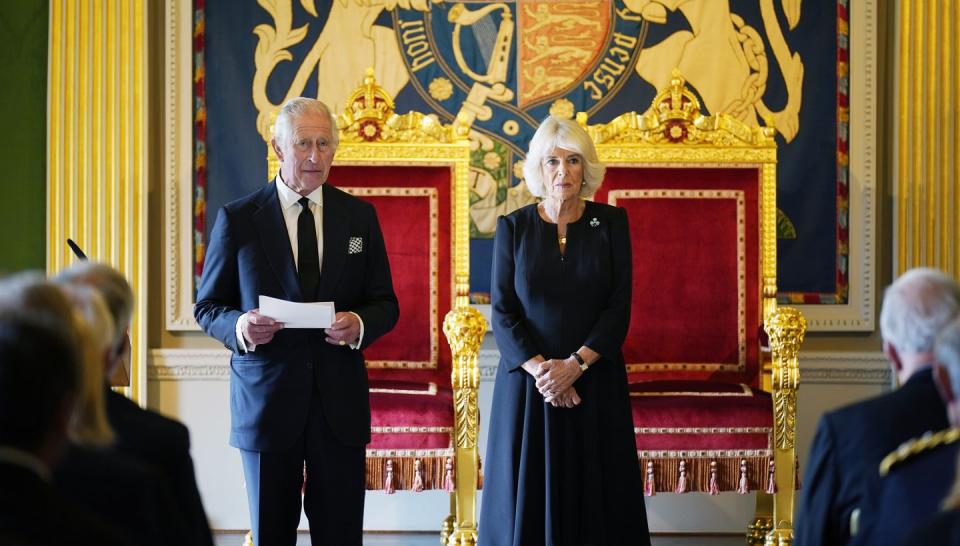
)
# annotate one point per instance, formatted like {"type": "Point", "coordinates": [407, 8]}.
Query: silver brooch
{"type": "Point", "coordinates": [594, 222]}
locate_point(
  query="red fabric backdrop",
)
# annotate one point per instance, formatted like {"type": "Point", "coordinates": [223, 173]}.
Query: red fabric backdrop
{"type": "Point", "coordinates": [686, 319]}
{"type": "Point", "coordinates": [405, 218]}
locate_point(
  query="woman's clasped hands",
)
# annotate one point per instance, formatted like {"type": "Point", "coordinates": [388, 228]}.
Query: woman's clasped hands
{"type": "Point", "coordinates": [554, 380]}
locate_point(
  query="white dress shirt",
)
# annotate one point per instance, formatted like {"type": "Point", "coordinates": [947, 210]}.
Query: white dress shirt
{"type": "Point", "coordinates": [291, 208]}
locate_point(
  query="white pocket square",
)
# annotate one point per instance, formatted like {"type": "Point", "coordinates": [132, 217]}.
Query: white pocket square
{"type": "Point", "coordinates": [355, 246]}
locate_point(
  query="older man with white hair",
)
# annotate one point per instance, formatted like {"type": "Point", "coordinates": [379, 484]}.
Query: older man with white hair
{"type": "Point", "coordinates": [917, 477]}
{"type": "Point", "coordinates": [298, 396]}
{"type": "Point", "coordinates": [850, 442]}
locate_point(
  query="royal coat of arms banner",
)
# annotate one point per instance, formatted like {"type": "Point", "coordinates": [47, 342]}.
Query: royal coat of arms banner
{"type": "Point", "coordinates": [504, 66]}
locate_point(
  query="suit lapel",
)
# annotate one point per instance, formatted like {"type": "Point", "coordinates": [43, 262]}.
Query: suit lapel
{"type": "Point", "coordinates": [268, 220]}
{"type": "Point", "coordinates": [335, 238]}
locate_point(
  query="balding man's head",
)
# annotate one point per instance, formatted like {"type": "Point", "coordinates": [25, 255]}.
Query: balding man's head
{"type": "Point", "coordinates": [916, 307]}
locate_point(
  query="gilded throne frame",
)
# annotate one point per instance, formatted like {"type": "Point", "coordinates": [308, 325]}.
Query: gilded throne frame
{"type": "Point", "coordinates": [673, 134]}
{"type": "Point", "coordinates": [372, 135]}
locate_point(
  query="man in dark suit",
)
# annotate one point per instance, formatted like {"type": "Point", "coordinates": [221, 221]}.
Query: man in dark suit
{"type": "Point", "coordinates": [161, 443]}
{"type": "Point", "coordinates": [299, 396]}
{"type": "Point", "coordinates": [851, 441]}
{"type": "Point", "coordinates": [917, 477]}
{"type": "Point", "coordinates": [39, 381]}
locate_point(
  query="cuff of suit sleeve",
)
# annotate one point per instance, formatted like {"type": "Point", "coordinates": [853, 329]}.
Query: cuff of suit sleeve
{"type": "Point", "coordinates": [242, 343]}
{"type": "Point", "coordinates": [360, 337]}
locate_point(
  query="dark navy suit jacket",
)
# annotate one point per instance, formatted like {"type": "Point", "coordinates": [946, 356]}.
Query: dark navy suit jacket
{"type": "Point", "coordinates": [908, 497]}
{"type": "Point", "coordinates": [270, 388]}
{"type": "Point", "coordinates": [846, 453]}
{"type": "Point", "coordinates": [163, 444]}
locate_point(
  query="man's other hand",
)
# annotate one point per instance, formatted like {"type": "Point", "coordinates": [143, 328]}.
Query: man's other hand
{"type": "Point", "coordinates": [344, 331]}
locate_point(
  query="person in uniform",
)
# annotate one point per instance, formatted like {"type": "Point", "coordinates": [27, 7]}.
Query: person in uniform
{"type": "Point", "coordinates": [917, 477]}
{"type": "Point", "coordinates": [850, 442]}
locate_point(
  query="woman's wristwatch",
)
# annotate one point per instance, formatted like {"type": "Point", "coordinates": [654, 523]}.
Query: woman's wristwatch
{"type": "Point", "coordinates": [579, 359]}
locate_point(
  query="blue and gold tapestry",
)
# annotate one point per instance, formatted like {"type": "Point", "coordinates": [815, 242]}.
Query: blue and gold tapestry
{"type": "Point", "coordinates": [504, 66]}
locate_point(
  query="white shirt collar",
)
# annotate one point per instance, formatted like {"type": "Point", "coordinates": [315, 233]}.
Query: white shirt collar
{"type": "Point", "coordinates": [289, 198]}
{"type": "Point", "coordinates": [24, 459]}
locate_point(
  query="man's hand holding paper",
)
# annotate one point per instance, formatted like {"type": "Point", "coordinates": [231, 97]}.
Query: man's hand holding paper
{"type": "Point", "coordinates": [258, 329]}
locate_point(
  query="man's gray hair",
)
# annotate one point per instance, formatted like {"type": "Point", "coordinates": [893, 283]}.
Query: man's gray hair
{"type": "Point", "coordinates": [946, 351]}
{"type": "Point", "coordinates": [563, 133]}
{"type": "Point", "coordinates": [110, 284]}
{"type": "Point", "coordinates": [916, 307]}
{"type": "Point", "coordinates": [295, 108]}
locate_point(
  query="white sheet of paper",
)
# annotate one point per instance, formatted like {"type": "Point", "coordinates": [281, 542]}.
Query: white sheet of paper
{"type": "Point", "coordinates": [316, 314]}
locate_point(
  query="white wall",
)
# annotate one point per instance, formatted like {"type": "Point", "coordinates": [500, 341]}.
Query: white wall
{"type": "Point", "coordinates": [193, 385]}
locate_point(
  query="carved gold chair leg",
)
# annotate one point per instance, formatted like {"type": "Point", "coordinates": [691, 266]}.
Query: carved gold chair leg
{"type": "Point", "coordinates": [762, 520]}
{"type": "Point", "coordinates": [785, 329]}
{"type": "Point", "coordinates": [449, 523]}
{"type": "Point", "coordinates": [464, 327]}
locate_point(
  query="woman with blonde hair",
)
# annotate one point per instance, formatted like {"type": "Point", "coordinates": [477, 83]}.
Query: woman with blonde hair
{"type": "Point", "coordinates": [561, 464]}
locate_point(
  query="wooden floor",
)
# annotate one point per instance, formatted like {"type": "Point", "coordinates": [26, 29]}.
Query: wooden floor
{"type": "Point", "coordinates": [432, 539]}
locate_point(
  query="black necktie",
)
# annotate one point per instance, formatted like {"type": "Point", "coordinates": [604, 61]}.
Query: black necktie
{"type": "Point", "coordinates": [308, 266]}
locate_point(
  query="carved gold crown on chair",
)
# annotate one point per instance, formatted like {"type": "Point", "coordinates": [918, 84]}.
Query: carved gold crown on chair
{"type": "Point", "coordinates": [370, 117]}
{"type": "Point", "coordinates": [674, 118]}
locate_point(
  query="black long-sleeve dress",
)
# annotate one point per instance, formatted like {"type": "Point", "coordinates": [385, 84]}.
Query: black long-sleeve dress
{"type": "Point", "coordinates": [558, 476]}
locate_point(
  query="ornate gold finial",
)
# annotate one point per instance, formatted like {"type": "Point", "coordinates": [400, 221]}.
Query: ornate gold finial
{"type": "Point", "coordinates": [367, 109]}
{"type": "Point", "coordinates": [369, 116]}
{"type": "Point", "coordinates": [464, 327]}
{"type": "Point", "coordinates": [676, 108]}
{"type": "Point", "coordinates": [674, 117]}
{"type": "Point", "coordinates": [785, 328]}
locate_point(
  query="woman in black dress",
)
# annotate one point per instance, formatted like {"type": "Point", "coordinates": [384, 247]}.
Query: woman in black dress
{"type": "Point", "coordinates": [561, 463]}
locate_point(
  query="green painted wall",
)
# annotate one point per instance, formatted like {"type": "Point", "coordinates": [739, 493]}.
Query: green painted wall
{"type": "Point", "coordinates": [23, 111]}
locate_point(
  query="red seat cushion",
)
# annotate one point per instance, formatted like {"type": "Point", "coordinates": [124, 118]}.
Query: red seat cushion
{"type": "Point", "coordinates": [410, 416]}
{"type": "Point", "coordinates": [703, 422]}
{"type": "Point", "coordinates": [411, 425]}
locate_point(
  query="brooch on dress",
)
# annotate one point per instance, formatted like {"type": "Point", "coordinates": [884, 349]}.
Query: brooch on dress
{"type": "Point", "coordinates": [594, 222]}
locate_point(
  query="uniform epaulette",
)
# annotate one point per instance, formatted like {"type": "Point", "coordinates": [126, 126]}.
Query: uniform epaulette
{"type": "Point", "coordinates": [916, 446]}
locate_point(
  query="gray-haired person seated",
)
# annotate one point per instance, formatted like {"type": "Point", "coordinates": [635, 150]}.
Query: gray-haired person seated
{"type": "Point", "coordinates": [159, 442]}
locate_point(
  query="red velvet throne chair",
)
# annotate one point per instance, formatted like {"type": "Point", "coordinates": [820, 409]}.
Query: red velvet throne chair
{"type": "Point", "coordinates": [713, 409]}
{"type": "Point", "coordinates": [423, 385]}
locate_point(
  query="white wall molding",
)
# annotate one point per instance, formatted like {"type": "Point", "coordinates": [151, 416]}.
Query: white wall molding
{"type": "Point", "coordinates": [815, 367]}
{"type": "Point", "coordinates": [861, 368]}
{"type": "Point", "coordinates": [189, 364]}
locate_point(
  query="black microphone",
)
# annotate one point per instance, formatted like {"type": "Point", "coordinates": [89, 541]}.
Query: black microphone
{"type": "Point", "coordinates": [76, 249]}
